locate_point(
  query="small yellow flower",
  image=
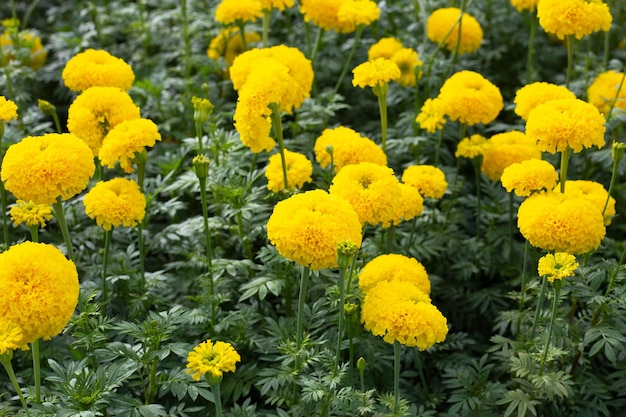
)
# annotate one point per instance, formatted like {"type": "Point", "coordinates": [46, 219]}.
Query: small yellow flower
{"type": "Point", "coordinates": [348, 147]}
{"type": "Point", "coordinates": [529, 176]}
{"type": "Point", "coordinates": [10, 337]}
{"type": "Point", "coordinates": [390, 267]}
{"type": "Point", "coordinates": [407, 60]}
{"type": "Point", "coordinates": [558, 266]}
{"type": "Point", "coordinates": [384, 48]}
{"type": "Point", "coordinates": [431, 116]}
{"type": "Point", "coordinates": [30, 213]}
{"type": "Point", "coordinates": [299, 171]}
{"type": "Point", "coordinates": [126, 139]}
{"type": "Point", "coordinates": [211, 360]}
{"type": "Point", "coordinates": [606, 91]}
{"type": "Point", "coordinates": [471, 147]}
{"type": "Point", "coordinates": [429, 180]}
{"type": "Point", "coordinates": [534, 94]}
{"type": "Point", "coordinates": [114, 203]}
{"type": "Point", "coordinates": [444, 22]}
{"type": "Point", "coordinates": [573, 17]}
{"type": "Point", "coordinates": [521, 5]}
{"type": "Point", "coordinates": [96, 67]}
{"type": "Point", "coordinates": [357, 13]}
{"type": "Point", "coordinates": [8, 109]}
{"type": "Point", "coordinates": [375, 73]}
{"type": "Point", "coordinates": [231, 12]}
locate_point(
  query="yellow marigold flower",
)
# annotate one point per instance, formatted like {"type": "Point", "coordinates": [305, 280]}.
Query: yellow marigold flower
{"type": "Point", "coordinates": [125, 139]}
{"type": "Point", "coordinates": [375, 73]}
{"type": "Point", "coordinates": [10, 336]}
{"type": "Point", "coordinates": [373, 191]}
{"type": "Point", "coordinates": [299, 171]}
{"type": "Point", "coordinates": [392, 267]}
{"type": "Point", "coordinates": [409, 205]}
{"type": "Point", "coordinates": [354, 13]}
{"type": "Point", "coordinates": [471, 147]}
{"type": "Point", "coordinates": [114, 203]}
{"type": "Point", "coordinates": [470, 98]}
{"type": "Point", "coordinates": [307, 228]}
{"type": "Point", "coordinates": [384, 48]}
{"type": "Point", "coordinates": [38, 54]}
{"type": "Point", "coordinates": [595, 193]}
{"type": "Point", "coordinates": [504, 149]}
{"type": "Point", "coordinates": [43, 168]}
{"type": "Point", "coordinates": [604, 91]}
{"type": "Point", "coordinates": [30, 213]}
{"type": "Point", "coordinates": [531, 95]}
{"type": "Point", "coordinates": [8, 109]}
{"type": "Point", "coordinates": [407, 59]}
{"type": "Point", "coordinates": [431, 116]}
{"type": "Point", "coordinates": [583, 17]}
{"type": "Point", "coordinates": [97, 68]}
{"type": "Point", "coordinates": [322, 13]}
{"type": "Point", "coordinates": [253, 123]}
{"type": "Point", "coordinates": [561, 222]}
{"type": "Point", "coordinates": [429, 180]}
{"type": "Point", "coordinates": [276, 4]}
{"type": "Point", "coordinates": [558, 266]}
{"type": "Point", "coordinates": [348, 147]}
{"type": "Point", "coordinates": [229, 45]}
{"type": "Point", "coordinates": [529, 176]}
{"type": "Point", "coordinates": [441, 21]}
{"type": "Point", "coordinates": [211, 359]}
{"type": "Point", "coordinates": [232, 12]}
{"type": "Point", "coordinates": [521, 5]}
{"type": "Point", "coordinates": [96, 111]}
{"type": "Point", "coordinates": [38, 290]}
{"type": "Point", "coordinates": [398, 310]}
{"type": "Point", "coordinates": [562, 123]}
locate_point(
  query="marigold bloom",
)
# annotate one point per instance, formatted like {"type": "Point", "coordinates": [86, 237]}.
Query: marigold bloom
{"type": "Point", "coordinates": [560, 222]}
{"type": "Point", "coordinates": [96, 111]}
{"type": "Point", "coordinates": [407, 59]}
{"type": "Point", "coordinates": [43, 168]}
{"type": "Point", "coordinates": [8, 109]}
{"type": "Point", "coordinates": [521, 5]}
{"type": "Point", "coordinates": [558, 266]}
{"type": "Point", "coordinates": [97, 68]}
{"type": "Point", "coordinates": [211, 359]}
{"type": "Point", "coordinates": [595, 193]}
{"type": "Point", "coordinates": [322, 13]}
{"type": "Point", "coordinates": [114, 203]}
{"type": "Point", "coordinates": [228, 44]}
{"type": "Point", "coordinates": [558, 124]}
{"type": "Point", "coordinates": [409, 205]}
{"type": "Point", "coordinates": [471, 147]}
{"type": "Point", "coordinates": [10, 336]}
{"type": "Point", "coordinates": [445, 20]}
{"type": "Point", "coordinates": [528, 176]}
{"type": "Point", "coordinates": [392, 267]}
{"type": "Point", "coordinates": [30, 213]}
{"type": "Point", "coordinates": [38, 54]}
{"type": "Point", "coordinates": [373, 191]}
{"type": "Point", "coordinates": [348, 147]}
{"type": "Point", "coordinates": [504, 149]}
{"type": "Point", "coordinates": [531, 95]}
{"type": "Point", "coordinates": [125, 139]}
{"type": "Point", "coordinates": [276, 4]}
{"type": "Point", "coordinates": [470, 98]}
{"type": "Point", "coordinates": [307, 228]}
{"type": "Point", "coordinates": [398, 310]}
{"type": "Point", "coordinates": [604, 91]}
{"type": "Point", "coordinates": [354, 13]}
{"type": "Point", "coordinates": [232, 12]}
{"type": "Point", "coordinates": [375, 73]}
{"type": "Point", "coordinates": [582, 17]}
{"type": "Point", "coordinates": [429, 180]}
{"type": "Point", "coordinates": [299, 171]}
{"type": "Point", "coordinates": [432, 115]}
{"type": "Point", "coordinates": [384, 48]}
{"type": "Point", "coordinates": [38, 290]}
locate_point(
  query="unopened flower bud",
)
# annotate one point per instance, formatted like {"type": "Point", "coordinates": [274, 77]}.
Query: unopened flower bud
{"type": "Point", "coordinates": [201, 166]}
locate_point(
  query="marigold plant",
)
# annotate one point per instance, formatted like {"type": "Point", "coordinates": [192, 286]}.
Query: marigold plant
{"type": "Point", "coordinates": [345, 146]}
{"type": "Point", "coordinates": [429, 180]}
{"type": "Point", "coordinates": [96, 67]}
{"type": "Point", "coordinates": [443, 26]}
{"type": "Point", "coordinates": [299, 171]}
{"type": "Point", "coordinates": [114, 203]}
{"type": "Point", "coordinates": [390, 267]}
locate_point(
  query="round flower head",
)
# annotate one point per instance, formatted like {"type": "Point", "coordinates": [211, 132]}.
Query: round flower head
{"type": "Point", "coordinates": [96, 111]}
{"type": "Point", "coordinates": [529, 176]}
{"type": "Point", "coordinates": [409, 205]}
{"type": "Point", "coordinates": [392, 267]}
{"type": "Point", "coordinates": [229, 45]}
{"type": "Point", "coordinates": [211, 360]}
{"type": "Point", "coordinates": [125, 139]}
{"type": "Point", "coordinates": [373, 191]}
{"type": "Point", "coordinates": [37, 57]}
{"type": "Point", "coordinates": [407, 59]}
{"type": "Point", "coordinates": [558, 124]}
{"type": "Point", "coordinates": [521, 5]}
{"type": "Point", "coordinates": [114, 203]}
{"type": "Point", "coordinates": [375, 73]}
{"type": "Point", "coordinates": [604, 91]}
{"type": "Point", "coordinates": [504, 149]}
{"type": "Point", "coordinates": [398, 310]}
{"type": "Point", "coordinates": [348, 147]}
{"type": "Point", "coordinates": [299, 170]}
{"type": "Point", "coordinates": [38, 290]}
{"type": "Point", "coordinates": [307, 228]}
{"type": "Point", "coordinates": [322, 13]}
{"type": "Point", "coordinates": [445, 21]}
{"type": "Point", "coordinates": [470, 98]}
{"type": "Point", "coordinates": [8, 110]}
{"type": "Point", "coordinates": [573, 17]}
{"type": "Point", "coordinates": [384, 48]}
{"type": "Point", "coordinates": [531, 95]}
{"type": "Point", "coordinates": [276, 4]}
{"type": "Point", "coordinates": [43, 168]}
{"type": "Point", "coordinates": [558, 266]}
{"type": "Point", "coordinates": [561, 222]}
{"type": "Point", "coordinates": [595, 193]}
{"type": "Point", "coordinates": [356, 13]}
{"type": "Point", "coordinates": [429, 180]}
{"type": "Point", "coordinates": [471, 147]}
{"type": "Point", "coordinates": [30, 213]}
{"type": "Point", "coordinates": [97, 68]}
{"type": "Point", "coordinates": [233, 12]}
{"type": "Point", "coordinates": [10, 336]}
{"type": "Point", "coordinates": [431, 116]}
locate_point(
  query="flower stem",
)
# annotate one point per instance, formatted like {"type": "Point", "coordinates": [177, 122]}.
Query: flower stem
{"type": "Point", "coordinates": [5, 221]}
{"type": "Point", "coordinates": [530, 71]}
{"type": "Point", "coordinates": [60, 216]}
{"type": "Point", "coordinates": [242, 32]}
{"type": "Point", "coordinates": [318, 44]}
{"type": "Point", "coordinates": [36, 369]}
{"type": "Point", "coordinates": [304, 282]}
{"type": "Point", "coordinates": [396, 375]}
{"type": "Point", "coordinates": [217, 397]}
{"type": "Point", "coordinates": [357, 38]}
{"type": "Point", "coordinates": [569, 41]}
{"type": "Point", "coordinates": [6, 362]}
{"type": "Point", "coordinates": [522, 289]}
{"type": "Point", "coordinates": [105, 263]}
{"type": "Point", "coordinates": [208, 246]}
{"type": "Point", "coordinates": [438, 150]}
{"type": "Point", "coordinates": [266, 26]}
{"type": "Point", "coordinates": [382, 108]}
{"type": "Point", "coordinates": [542, 295]}
{"type": "Point", "coordinates": [278, 131]}
{"type": "Point", "coordinates": [555, 300]}
{"type": "Point", "coordinates": [564, 164]}
{"type": "Point", "coordinates": [342, 296]}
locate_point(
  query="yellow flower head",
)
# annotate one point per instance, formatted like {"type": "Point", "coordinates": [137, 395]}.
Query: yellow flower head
{"type": "Point", "coordinates": [470, 98]}
{"type": "Point", "coordinates": [407, 59]}
{"type": "Point", "coordinates": [30, 213]}
{"type": "Point", "coordinates": [114, 203]}
{"type": "Point", "coordinates": [398, 310]}
{"type": "Point", "coordinates": [558, 266]}
{"type": "Point", "coordinates": [125, 139]}
{"type": "Point", "coordinates": [595, 193]}
{"type": "Point", "coordinates": [431, 116]}
{"type": "Point", "coordinates": [348, 147]}
{"type": "Point", "coordinates": [96, 111]}
{"type": "Point", "coordinates": [562, 123]}
{"type": "Point", "coordinates": [445, 20]}
{"type": "Point", "coordinates": [504, 149]}
{"type": "Point", "coordinates": [229, 45]}
{"type": "Point", "coordinates": [211, 359]}
{"type": "Point", "coordinates": [322, 13]}
{"type": "Point", "coordinates": [429, 180]}
{"type": "Point", "coordinates": [384, 48]}
{"type": "Point", "coordinates": [306, 228]}
{"type": "Point", "coordinates": [409, 205]}
{"type": "Point", "coordinates": [276, 4]}
{"type": "Point", "coordinates": [97, 68]}
{"type": "Point", "coordinates": [299, 171]}
{"type": "Point", "coordinates": [10, 336]}
{"type": "Point", "coordinates": [43, 168]}
{"type": "Point", "coordinates": [375, 73]}
{"type": "Point", "coordinates": [561, 222]}
{"type": "Point", "coordinates": [373, 191]}
{"type": "Point", "coordinates": [529, 176]}
{"type": "Point", "coordinates": [534, 94]}
{"type": "Point", "coordinates": [471, 147]}
{"type": "Point", "coordinates": [392, 267]}
{"type": "Point", "coordinates": [37, 57]}
{"type": "Point", "coordinates": [38, 290]}
{"type": "Point", "coordinates": [604, 91]}
{"type": "Point", "coordinates": [521, 5]}
{"type": "Point", "coordinates": [355, 13]}
{"type": "Point", "coordinates": [232, 12]}
{"type": "Point", "coordinates": [573, 17]}
{"type": "Point", "coordinates": [8, 109]}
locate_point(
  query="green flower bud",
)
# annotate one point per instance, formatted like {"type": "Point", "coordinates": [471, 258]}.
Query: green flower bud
{"type": "Point", "coordinates": [201, 166]}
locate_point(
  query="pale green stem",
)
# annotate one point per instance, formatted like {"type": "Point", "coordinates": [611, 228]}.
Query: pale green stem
{"type": "Point", "coordinates": [199, 136]}
{"type": "Point", "coordinates": [569, 41]}
{"type": "Point", "coordinates": [217, 397]}
{"type": "Point", "coordinates": [278, 131]}
{"type": "Point", "coordinates": [438, 150]}
{"type": "Point", "coordinates": [242, 32]}
{"type": "Point", "coordinates": [396, 375]}
{"type": "Point", "coordinates": [304, 282]}
{"type": "Point", "coordinates": [611, 185]}
{"type": "Point", "coordinates": [615, 98]}
{"type": "Point", "coordinates": [34, 233]}
{"type": "Point", "coordinates": [555, 300]}
{"type": "Point", "coordinates": [542, 295]}
{"type": "Point", "coordinates": [342, 296]}
{"type": "Point", "coordinates": [344, 71]}
{"type": "Point", "coordinates": [60, 216]}
{"type": "Point", "coordinates": [564, 164]}
{"type": "Point", "coordinates": [6, 362]}
{"type": "Point", "coordinates": [141, 173]}
{"type": "Point", "coordinates": [318, 44]}
{"type": "Point", "coordinates": [266, 26]}
{"type": "Point", "coordinates": [105, 263]}
{"type": "Point", "coordinates": [531, 48]}
{"type": "Point", "coordinates": [34, 347]}
{"type": "Point", "coordinates": [420, 370]}
{"type": "Point", "coordinates": [208, 247]}
{"type": "Point", "coordinates": [607, 47]}
{"type": "Point", "coordinates": [382, 107]}
{"type": "Point", "coordinates": [522, 289]}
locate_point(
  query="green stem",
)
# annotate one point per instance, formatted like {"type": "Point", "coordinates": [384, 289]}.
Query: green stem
{"type": "Point", "coordinates": [357, 38]}
{"type": "Point", "coordinates": [304, 281]}
{"type": "Point", "coordinates": [342, 295]}
{"type": "Point", "coordinates": [245, 241]}
{"type": "Point", "coordinates": [564, 164]}
{"type": "Point", "coordinates": [381, 94]}
{"type": "Point", "coordinates": [318, 44]}
{"type": "Point", "coordinates": [522, 289]}
{"type": "Point", "coordinates": [5, 221]}
{"type": "Point", "coordinates": [396, 375]}
{"type": "Point", "coordinates": [60, 216]}
{"type": "Point", "coordinates": [530, 71]}
{"type": "Point", "coordinates": [6, 362]}
{"type": "Point", "coordinates": [615, 98]}
{"type": "Point", "coordinates": [611, 185]}
{"type": "Point", "coordinates": [208, 246]}
{"type": "Point", "coordinates": [140, 162]}
{"type": "Point", "coordinates": [266, 26]}
{"type": "Point", "coordinates": [607, 46]}
{"type": "Point", "coordinates": [199, 136]}
{"type": "Point", "coordinates": [409, 241]}
{"type": "Point", "coordinates": [34, 233]}
{"type": "Point", "coordinates": [569, 41]}
{"type": "Point", "coordinates": [542, 295]}
{"type": "Point", "coordinates": [475, 163]}
{"type": "Point", "coordinates": [438, 150]}
{"type": "Point", "coordinates": [555, 300]}
{"type": "Point", "coordinates": [242, 32]}
{"type": "Point", "coordinates": [217, 397]}
{"type": "Point", "coordinates": [34, 346]}
{"type": "Point", "coordinates": [420, 370]}
{"type": "Point", "coordinates": [105, 263]}
{"type": "Point", "coordinates": [152, 382]}
{"type": "Point", "coordinates": [278, 131]}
